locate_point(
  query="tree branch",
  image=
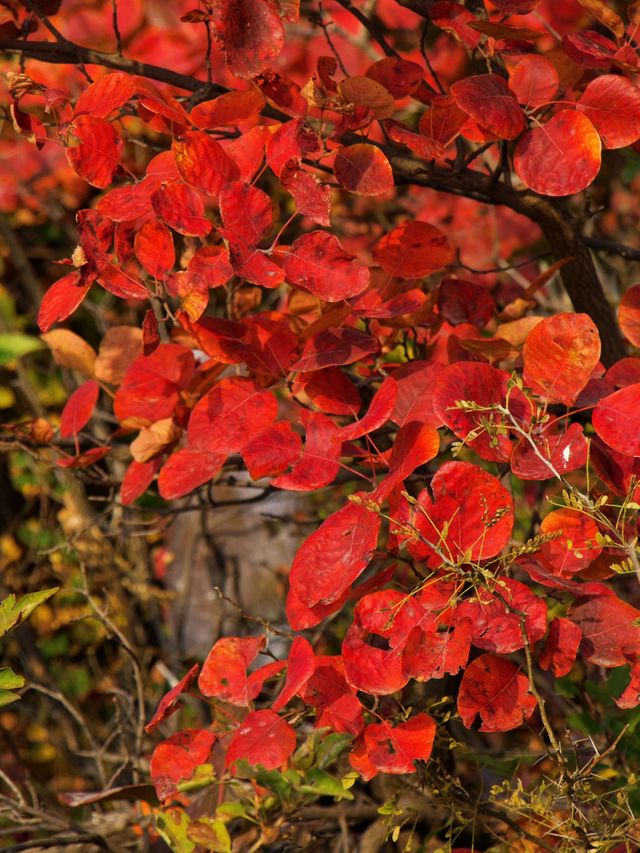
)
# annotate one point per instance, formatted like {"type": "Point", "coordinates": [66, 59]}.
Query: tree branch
{"type": "Point", "coordinates": [613, 248]}
{"type": "Point", "coordinates": [66, 53]}
{"type": "Point", "coordinates": [375, 30]}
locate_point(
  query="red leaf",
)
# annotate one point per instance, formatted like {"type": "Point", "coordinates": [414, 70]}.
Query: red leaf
{"type": "Point", "coordinates": [630, 697]}
{"type": "Point", "coordinates": [272, 451]}
{"type": "Point", "coordinates": [247, 151]}
{"type": "Point", "coordinates": [224, 672]}
{"type": "Point", "coordinates": [515, 7]}
{"type": "Point", "coordinates": [560, 158]}
{"type": "Point", "coordinates": [334, 347]}
{"type": "Point", "coordinates": [617, 471]}
{"type": "Point", "coordinates": [420, 145]}
{"type": "Point", "coordinates": [629, 315]}
{"type": "Point", "coordinates": [612, 103]}
{"type": "Point", "coordinates": [378, 413]}
{"type": "Point", "coordinates": [343, 715]}
{"type": "Point", "coordinates": [256, 680]}
{"type": "Point", "coordinates": [565, 451]}
{"type": "Point", "coordinates": [560, 354]}
{"type": "Point", "coordinates": [335, 554]}
{"type": "Point", "coordinates": [327, 683]}
{"type": "Point", "coordinates": [250, 32]}
{"type": "Point", "coordinates": [61, 300]}
{"type": "Point", "coordinates": [495, 689]}
{"type": "Point", "coordinates": [246, 214]}
{"type": "Point", "coordinates": [318, 263]}
{"type": "Point", "coordinates": [398, 76]}
{"type": "Point", "coordinates": [610, 629]}
{"type": "Point", "coordinates": [129, 202]}
{"type": "Point", "coordinates": [415, 381]}
{"type": "Point", "coordinates": [319, 463]}
{"type": "Point", "coordinates": [254, 266]}
{"type": "Point", "coordinates": [182, 209]}
{"type": "Point", "coordinates": [186, 470]}
{"type": "Point", "coordinates": [168, 114]}
{"type": "Point", "coordinates": [300, 667]}
{"type": "Point", "coordinates": [471, 514]}
{"type": "Point", "coordinates": [576, 547]}
{"type": "Point", "coordinates": [137, 479]}
{"type": "Point", "coordinates": [230, 415]}
{"type": "Point", "coordinates": [151, 387]}
{"type": "Point", "coordinates": [175, 759]}
{"type": "Point", "coordinates": [230, 108]}
{"type": "Point", "coordinates": [416, 443]}
{"type": "Point", "coordinates": [169, 704]}
{"type": "Point", "coordinates": [301, 616]}
{"type": "Point", "coordinates": [311, 198]}
{"type": "Point", "coordinates": [211, 264]}
{"type": "Point", "coordinates": [433, 653]}
{"type": "Point", "coordinates": [263, 739]}
{"type": "Point", "coordinates": [454, 19]}
{"type": "Point", "coordinates": [79, 408]}
{"type": "Point", "coordinates": [121, 283]}
{"type": "Point", "coordinates": [363, 169]}
{"type": "Point", "coordinates": [488, 100]}
{"type": "Point", "coordinates": [203, 163]}
{"type": "Point", "coordinates": [93, 149]}
{"type": "Point", "coordinates": [84, 460]}
{"type": "Point", "coordinates": [443, 121]}
{"type": "Point", "coordinates": [387, 749]}
{"type": "Point", "coordinates": [374, 670]}
{"type": "Point", "coordinates": [292, 142]}
{"type": "Point", "coordinates": [330, 390]}
{"type": "Point", "coordinates": [105, 95]}
{"type": "Point", "coordinates": [534, 81]}
{"type": "Point", "coordinates": [150, 333]}
{"type": "Point", "coordinates": [154, 248]}
{"type": "Point", "coordinates": [561, 647]}
{"type": "Point", "coordinates": [485, 386]}
{"type": "Point", "coordinates": [464, 302]}
{"type": "Point", "coordinates": [413, 250]}
{"type": "Point", "coordinates": [495, 627]}
{"type": "Point", "coordinates": [616, 419]}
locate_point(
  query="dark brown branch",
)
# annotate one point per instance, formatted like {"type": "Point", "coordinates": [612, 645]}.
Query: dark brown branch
{"type": "Point", "coordinates": [66, 53]}
{"type": "Point", "coordinates": [375, 30]}
{"type": "Point", "coordinates": [611, 247]}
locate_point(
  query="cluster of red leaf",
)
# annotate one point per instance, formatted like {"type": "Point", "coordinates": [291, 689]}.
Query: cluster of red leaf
{"type": "Point", "coordinates": [303, 377]}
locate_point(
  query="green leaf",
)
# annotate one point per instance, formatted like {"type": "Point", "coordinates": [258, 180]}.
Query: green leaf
{"type": "Point", "coordinates": [173, 825]}
{"type": "Point", "coordinates": [6, 697]}
{"type": "Point", "coordinates": [14, 345]}
{"type": "Point", "coordinates": [203, 776]}
{"type": "Point", "coordinates": [211, 834]}
{"type": "Point", "coordinates": [331, 747]}
{"type": "Point", "coordinates": [231, 810]}
{"type": "Point", "coordinates": [321, 784]}
{"type": "Point", "coordinates": [350, 779]}
{"type": "Point", "coordinates": [12, 613]}
{"type": "Point", "coordinates": [9, 680]}
{"type": "Point", "coordinates": [276, 782]}
{"type": "Point", "coordinates": [7, 397]}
